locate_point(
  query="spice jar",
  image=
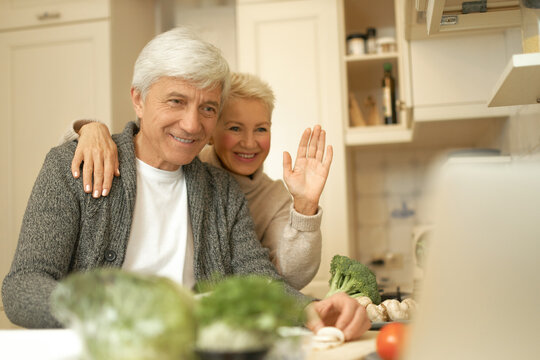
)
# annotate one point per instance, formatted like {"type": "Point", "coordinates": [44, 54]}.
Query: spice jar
{"type": "Point", "coordinates": [356, 44]}
{"type": "Point", "coordinates": [386, 45]}
{"type": "Point", "coordinates": [530, 25]}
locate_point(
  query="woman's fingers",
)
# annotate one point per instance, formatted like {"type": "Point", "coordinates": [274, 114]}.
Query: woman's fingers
{"type": "Point", "coordinates": [110, 170]}
{"type": "Point", "coordinates": [287, 163]}
{"type": "Point", "coordinates": [304, 141]}
{"type": "Point", "coordinates": [313, 142]}
{"type": "Point", "coordinates": [76, 163]}
{"type": "Point", "coordinates": [320, 146]}
{"type": "Point", "coordinates": [98, 174]}
{"type": "Point", "coordinates": [329, 155]}
{"type": "Point", "coordinates": [88, 170]}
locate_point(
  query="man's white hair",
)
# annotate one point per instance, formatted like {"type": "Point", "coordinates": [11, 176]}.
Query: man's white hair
{"type": "Point", "coordinates": [180, 53]}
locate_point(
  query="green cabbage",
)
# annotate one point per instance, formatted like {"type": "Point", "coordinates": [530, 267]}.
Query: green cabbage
{"type": "Point", "coordinates": [121, 315]}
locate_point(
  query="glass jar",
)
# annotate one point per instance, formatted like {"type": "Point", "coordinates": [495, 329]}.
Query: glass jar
{"type": "Point", "coordinates": [530, 25]}
{"type": "Point", "coordinates": [356, 44]}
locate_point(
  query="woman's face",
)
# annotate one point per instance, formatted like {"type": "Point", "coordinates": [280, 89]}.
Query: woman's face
{"type": "Point", "coordinates": [242, 136]}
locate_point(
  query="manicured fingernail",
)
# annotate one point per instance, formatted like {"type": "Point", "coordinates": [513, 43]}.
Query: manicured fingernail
{"type": "Point", "coordinates": [96, 194]}
{"type": "Point", "coordinates": [104, 192]}
{"type": "Point", "coordinates": [87, 188]}
{"type": "Point", "coordinates": [76, 174]}
{"type": "Point", "coordinates": [118, 172]}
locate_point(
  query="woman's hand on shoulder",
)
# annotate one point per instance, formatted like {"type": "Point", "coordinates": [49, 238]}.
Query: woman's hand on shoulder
{"type": "Point", "coordinates": [99, 155]}
{"type": "Point", "coordinates": [307, 179]}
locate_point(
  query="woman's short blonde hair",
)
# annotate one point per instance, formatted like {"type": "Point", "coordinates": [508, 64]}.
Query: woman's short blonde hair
{"type": "Point", "coordinates": [248, 86]}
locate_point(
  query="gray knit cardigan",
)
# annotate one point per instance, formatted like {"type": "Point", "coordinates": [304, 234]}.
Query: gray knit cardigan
{"type": "Point", "coordinates": [65, 230]}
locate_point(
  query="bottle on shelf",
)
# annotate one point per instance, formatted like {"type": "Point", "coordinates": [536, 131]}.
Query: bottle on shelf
{"type": "Point", "coordinates": [389, 96]}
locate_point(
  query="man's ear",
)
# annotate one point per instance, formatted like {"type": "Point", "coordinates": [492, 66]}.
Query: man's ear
{"type": "Point", "coordinates": [138, 104]}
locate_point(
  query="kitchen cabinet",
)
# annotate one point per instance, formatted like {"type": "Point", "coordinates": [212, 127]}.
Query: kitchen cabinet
{"type": "Point", "coordinates": [363, 73]}
{"type": "Point", "coordinates": [53, 74]}
{"type": "Point", "coordinates": [453, 76]}
{"type": "Point", "coordinates": [29, 13]}
{"type": "Point", "coordinates": [295, 47]}
{"type": "Point", "coordinates": [458, 15]}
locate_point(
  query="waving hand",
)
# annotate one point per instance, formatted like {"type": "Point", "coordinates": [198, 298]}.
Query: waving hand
{"type": "Point", "coordinates": [306, 180]}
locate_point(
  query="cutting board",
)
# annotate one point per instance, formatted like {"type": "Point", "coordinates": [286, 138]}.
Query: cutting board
{"type": "Point", "coordinates": [352, 350]}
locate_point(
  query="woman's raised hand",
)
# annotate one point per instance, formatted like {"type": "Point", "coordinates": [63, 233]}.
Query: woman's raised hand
{"type": "Point", "coordinates": [306, 180]}
{"type": "Point", "coordinates": [100, 156]}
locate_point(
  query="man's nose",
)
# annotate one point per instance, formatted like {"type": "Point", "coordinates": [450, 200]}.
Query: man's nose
{"type": "Point", "coordinates": [190, 121]}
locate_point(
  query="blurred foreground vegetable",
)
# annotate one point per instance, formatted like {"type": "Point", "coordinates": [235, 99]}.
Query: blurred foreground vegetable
{"type": "Point", "coordinates": [391, 341]}
{"type": "Point", "coordinates": [122, 315]}
{"type": "Point", "coordinates": [353, 278]}
{"type": "Point", "coordinates": [243, 313]}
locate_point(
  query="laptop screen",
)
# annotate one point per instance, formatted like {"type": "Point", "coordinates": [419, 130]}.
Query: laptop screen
{"type": "Point", "coordinates": [480, 295]}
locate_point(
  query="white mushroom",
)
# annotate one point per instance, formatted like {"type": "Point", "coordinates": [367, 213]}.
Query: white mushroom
{"type": "Point", "coordinates": [412, 306]}
{"type": "Point", "coordinates": [327, 337]}
{"type": "Point", "coordinates": [376, 313]}
{"type": "Point", "coordinates": [330, 331]}
{"type": "Point", "coordinates": [364, 300]}
{"type": "Point", "coordinates": [396, 310]}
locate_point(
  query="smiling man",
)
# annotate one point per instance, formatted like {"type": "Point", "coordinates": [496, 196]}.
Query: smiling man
{"type": "Point", "coordinates": [167, 214]}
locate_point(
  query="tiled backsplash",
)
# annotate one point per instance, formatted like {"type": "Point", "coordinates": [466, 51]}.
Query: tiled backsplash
{"type": "Point", "coordinates": [390, 194]}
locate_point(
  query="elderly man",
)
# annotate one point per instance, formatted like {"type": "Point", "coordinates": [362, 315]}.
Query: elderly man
{"type": "Point", "coordinates": [167, 214]}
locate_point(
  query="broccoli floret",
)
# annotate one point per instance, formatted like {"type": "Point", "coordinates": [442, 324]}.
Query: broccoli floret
{"type": "Point", "coordinates": [353, 278]}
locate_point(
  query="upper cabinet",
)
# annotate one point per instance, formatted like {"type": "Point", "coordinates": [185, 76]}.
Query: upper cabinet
{"type": "Point", "coordinates": [455, 15]}
{"type": "Point", "coordinates": [372, 35]}
{"type": "Point", "coordinates": [29, 13]}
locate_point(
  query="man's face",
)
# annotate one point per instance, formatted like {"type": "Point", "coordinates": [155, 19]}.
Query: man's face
{"type": "Point", "coordinates": [177, 120]}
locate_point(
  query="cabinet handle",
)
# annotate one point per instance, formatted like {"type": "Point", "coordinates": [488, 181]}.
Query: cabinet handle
{"type": "Point", "coordinates": [48, 15]}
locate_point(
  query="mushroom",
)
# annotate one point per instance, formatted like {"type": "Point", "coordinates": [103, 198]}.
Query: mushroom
{"type": "Point", "coordinates": [396, 310]}
{"type": "Point", "coordinates": [364, 300]}
{"type": "Point", "coordinates": [376, 313]}
{"type": "Point", "coordinates": [328, 337]}
{"type": "Point", "coordinates": [412, 306]}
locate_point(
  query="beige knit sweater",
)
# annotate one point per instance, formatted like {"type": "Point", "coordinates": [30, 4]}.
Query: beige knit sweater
{"type": "Point", "coordinates": [293, 239]}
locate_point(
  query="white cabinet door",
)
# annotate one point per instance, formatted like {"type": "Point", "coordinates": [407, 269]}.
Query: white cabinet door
{"type": "Point", "coordinates": [48, 77]}
{"type": "Point", "coordinates": [453, 77]}
{"type": "Point", "coordinates": [294, 46]}
{"type": "Point", "coordinates": [25, 13]}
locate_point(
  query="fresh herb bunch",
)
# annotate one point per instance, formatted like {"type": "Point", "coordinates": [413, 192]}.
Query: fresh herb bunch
{"type": "Point", "coordinates": [122, 315]}
{"type": "Point", "coordinates": [249, 304]}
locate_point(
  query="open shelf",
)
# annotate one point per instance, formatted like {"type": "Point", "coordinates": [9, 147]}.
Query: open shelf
{"type": "Point", "coordinates": [383, 134]}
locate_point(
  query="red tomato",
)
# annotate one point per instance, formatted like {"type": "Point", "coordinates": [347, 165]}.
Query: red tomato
{"type": "Point", "coordinates": [390, 340]}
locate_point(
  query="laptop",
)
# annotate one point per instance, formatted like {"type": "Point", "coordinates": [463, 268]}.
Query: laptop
{"type": "Point", "coordinates": [480, 294]}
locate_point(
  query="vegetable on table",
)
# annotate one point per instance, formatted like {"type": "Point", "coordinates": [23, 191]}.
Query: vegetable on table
{"type": "Point", "coordinates": [243, 313]}
{"type": "Point", "coordinates": [121, 315]}
{"type": "Point", "coordinates": [391, 341]}
{"type": "Point", "coordinates": [353, 278]}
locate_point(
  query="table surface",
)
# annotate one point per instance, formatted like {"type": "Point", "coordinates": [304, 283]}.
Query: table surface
{"type": "Point", "coordinates": [64, 344]}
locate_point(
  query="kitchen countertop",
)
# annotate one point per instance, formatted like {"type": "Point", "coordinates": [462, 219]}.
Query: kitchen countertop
{"type": "Point", "coordinates": [64, 344]}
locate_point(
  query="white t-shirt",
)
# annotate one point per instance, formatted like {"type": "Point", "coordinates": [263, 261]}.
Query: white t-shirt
{"type": "Point", "coordinates": [161, 239]}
